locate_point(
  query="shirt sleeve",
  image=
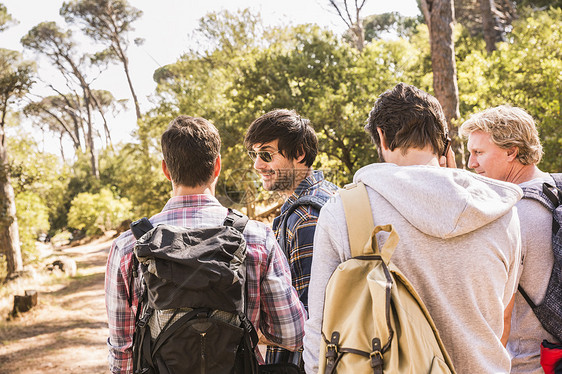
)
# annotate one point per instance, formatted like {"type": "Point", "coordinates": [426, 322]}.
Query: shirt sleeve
{"type": "Point", "coordinates": [300, 261]}
{"type": "Point", "coordinates": [120, 316]}
{"type": "Point", "coordinates": [328, 254]}
{"type": "Point", "coordinates": [282, 313]}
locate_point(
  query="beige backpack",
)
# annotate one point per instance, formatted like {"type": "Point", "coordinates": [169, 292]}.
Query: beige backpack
{"type": "Point", "coordinates": [374, 321]}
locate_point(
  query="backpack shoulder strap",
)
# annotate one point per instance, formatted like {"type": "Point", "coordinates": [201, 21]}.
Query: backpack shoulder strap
{"type": "Point", "coordinates": [358, 216]}
{"type": "Point", "coordinates": [314, 201]}
{"type": "Point", "coordinates": [557, 179]}
{"type": "Point", "coordinates": [141, 227]}
{"type": "Point", "coordinates": [236, 219]}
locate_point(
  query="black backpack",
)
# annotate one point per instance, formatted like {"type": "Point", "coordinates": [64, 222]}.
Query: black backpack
{"type": "Point", "coordinates": [549, 313]}
{"type": "Point", "coordinates": [191, 315]}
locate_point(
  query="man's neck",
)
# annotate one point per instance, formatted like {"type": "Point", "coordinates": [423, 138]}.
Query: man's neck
{"type": "Point", "coordinates": [414, 156]}
{"type": "Point", "coordinates": [299, 176]}
{"type": "Point", "coordinates": [199, 190]}
{"type": "Point", "coordinates": [520, 173]}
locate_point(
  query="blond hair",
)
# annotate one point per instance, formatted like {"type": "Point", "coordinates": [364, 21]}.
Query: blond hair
{"type": "Point", "coordinates": [508, 127]}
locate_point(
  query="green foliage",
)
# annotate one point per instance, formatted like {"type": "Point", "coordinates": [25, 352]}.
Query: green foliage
{"type": "Point", "coordinates": [33, 220]}
{"type": "Point", "coordinates": [16, 78]}
{"type": "Point", "coordinates": [42, 174]}
{"type": "Point", "coordinates": [6, 19]}
{"type": "Point", "coordinates": [525, 71]}
{"type": "Point", "coordinates": [97, 213]}
{"type": "Point", "coordinates": [129, 172]}
{"type": "Point", "coordinates": [376, 26]}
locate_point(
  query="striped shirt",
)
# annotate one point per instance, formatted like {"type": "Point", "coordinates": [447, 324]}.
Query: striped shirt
{"type": "Point", "coordinates": [273, 305]}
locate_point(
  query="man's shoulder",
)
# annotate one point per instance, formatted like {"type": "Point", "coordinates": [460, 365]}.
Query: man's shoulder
{"type": "Point", "coordinates": [124, 243]}
{"type": "Point", "coordinates": [257, 233]}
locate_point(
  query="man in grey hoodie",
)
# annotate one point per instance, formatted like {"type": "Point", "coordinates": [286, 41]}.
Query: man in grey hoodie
{"type": "Point", "coordinates": [459, 233]}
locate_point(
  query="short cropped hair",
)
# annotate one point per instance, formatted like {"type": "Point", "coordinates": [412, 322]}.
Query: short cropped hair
{"type": "Point", "coordinates": [408, 118]}
{"type": "Point", "coordinates": [294, 133]}
{"type": "Point", "coordinates": [508, 127]}
{"type": "Point", "coordinates": [190, 147]}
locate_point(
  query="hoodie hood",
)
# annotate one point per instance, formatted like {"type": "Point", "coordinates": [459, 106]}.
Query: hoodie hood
{"type": "Point", "coordinates": [440, 202]}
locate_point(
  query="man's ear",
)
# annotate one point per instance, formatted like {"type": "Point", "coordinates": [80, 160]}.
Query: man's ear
{"type": "Point", "coordinates": [166, 171]}
{"type": "Point", "coordinates": [512, 153]}
{"type": "Point", "coordinates": [300, 156]}
{"type": "Point", "coordinates": [218, 166]}
{"type": "Point", "coordinates": [382, 138]}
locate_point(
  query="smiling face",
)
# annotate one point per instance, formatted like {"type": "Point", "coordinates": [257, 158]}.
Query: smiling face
{"type": "Point", "coordinates": [280, 174]}
{"type": "Point", "coordinates": [487, 159]}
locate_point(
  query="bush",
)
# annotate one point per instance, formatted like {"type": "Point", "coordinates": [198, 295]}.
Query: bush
{"type": "Point", "coordinates": [33, 220]}
{"type": "Point", "coordinates": [97, 213]}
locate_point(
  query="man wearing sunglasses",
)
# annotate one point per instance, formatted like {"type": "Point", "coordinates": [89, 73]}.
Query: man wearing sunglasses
{"type": "Point", "coordinates": [459, 234]}
{"type": "Point", "coordinates": [283, 147]}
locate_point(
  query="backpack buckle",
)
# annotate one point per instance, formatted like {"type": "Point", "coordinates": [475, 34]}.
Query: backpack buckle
{"type": "Point", "coordinates": [331, 351]}
{"type": "Point", "coordinates": [145, 317]}
{"type": "Point", "coordinates": [376, 356]}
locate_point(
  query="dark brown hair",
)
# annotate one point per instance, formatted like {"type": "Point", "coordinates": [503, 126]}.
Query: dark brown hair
{"type": "Point", "coordinates": [408, 118]}
{"type": "Point", "coordinates": [294, 133]}
{"type": "Point", "coordinates": [190, 147]}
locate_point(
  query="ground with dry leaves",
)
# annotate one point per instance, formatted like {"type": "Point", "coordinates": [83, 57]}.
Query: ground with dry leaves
{"type": "Point", "coordinates": [67, 331]}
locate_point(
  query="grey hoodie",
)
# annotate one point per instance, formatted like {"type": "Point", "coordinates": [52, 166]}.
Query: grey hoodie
{"type": "Point", "coordinates": [459, 247]}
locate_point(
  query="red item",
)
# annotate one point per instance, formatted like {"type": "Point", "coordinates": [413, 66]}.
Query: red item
{"type": "Point", "coordinates": [551, 357]}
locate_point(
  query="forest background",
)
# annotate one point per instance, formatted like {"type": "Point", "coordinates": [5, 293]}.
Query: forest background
{"type": "Point", "coordinates": [470, 54]}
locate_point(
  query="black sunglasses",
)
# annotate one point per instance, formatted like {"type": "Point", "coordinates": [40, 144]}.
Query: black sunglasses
{"type": "Point", "coordinates": [265, 156]}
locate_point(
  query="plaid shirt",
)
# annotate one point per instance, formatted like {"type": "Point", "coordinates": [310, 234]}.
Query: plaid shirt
{"type": "Point", "coordinates": [273, 305]}
{"type": "Point", "coordinates": [301, 226]}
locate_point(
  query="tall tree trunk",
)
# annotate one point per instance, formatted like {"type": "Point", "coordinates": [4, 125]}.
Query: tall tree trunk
{"type": "Point", "coordinates": [490, 24]}
{"type": "Point", "coordinates": [135, 99]}
{"type": "Point", "coordinates": [9, 234]}
{"type": "Point", "coordinates": [439, 15]}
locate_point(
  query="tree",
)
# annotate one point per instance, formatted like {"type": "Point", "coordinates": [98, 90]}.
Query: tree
{"type": "Point", "coordinates": [353, 22]}
{"type": "Point", "coordinates": [376, 25]}
{"type": "Point", "coordinates": [490, 19]}
{"type": "Point", "coordinates": [107, 22]}
{"type": "Point", "coordinates": [524, 71]}
{"type": "Point", "coordinates": [15, 81]}
{"type": "Point", "coordinates": [57, 45]}
{"type": "Point", "coordinates": [5, 18]}
{"type": "Point", "coordinates": [491, 24]}
{"type": "Point", "coordinates": [439, 16]}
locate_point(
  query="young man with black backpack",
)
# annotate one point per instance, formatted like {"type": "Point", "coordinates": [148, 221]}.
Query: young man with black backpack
{"type": "Point", "coordinates": [177, 291]}
{"type": "Point", "coordinates": [504, 144]}
{"type": "Point", "coordinates": [454, 236]}
{"type": "Point", "coordinates": [283, 147]}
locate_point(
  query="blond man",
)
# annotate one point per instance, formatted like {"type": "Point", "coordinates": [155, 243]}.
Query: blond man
{"type": "Point", "coordinates": [504, 144]}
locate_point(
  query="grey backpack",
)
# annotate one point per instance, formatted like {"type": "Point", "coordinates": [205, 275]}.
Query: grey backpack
{"type": "Point", "coordinates": [549, 313]}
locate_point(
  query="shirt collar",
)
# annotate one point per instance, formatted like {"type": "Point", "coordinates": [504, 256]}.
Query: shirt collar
{"type": "Point", "coordinates": [186, 201]}
{"type": "Point", "coordinates": [306, 184]}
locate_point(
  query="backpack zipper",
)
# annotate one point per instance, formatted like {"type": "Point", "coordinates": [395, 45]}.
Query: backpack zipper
{"type": "Point", "coordinates": [203, 355]}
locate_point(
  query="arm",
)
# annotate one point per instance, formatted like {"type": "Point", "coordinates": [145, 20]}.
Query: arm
{"type": "Point", "coordinates": [282, 313]}
{"type": "Point", "coordinates": [121, 318]}
{"type": "Point", "coordinates": [329, 242]}
{"type": "Point", "coordinates": [507, 321]}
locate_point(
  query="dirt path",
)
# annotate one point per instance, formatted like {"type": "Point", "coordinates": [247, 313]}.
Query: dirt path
{"type": "Point", "coordinates": [67, 331]}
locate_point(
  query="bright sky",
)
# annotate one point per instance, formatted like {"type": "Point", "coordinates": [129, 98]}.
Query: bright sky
{"type": "Point", "coordinates": [166, 26]}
